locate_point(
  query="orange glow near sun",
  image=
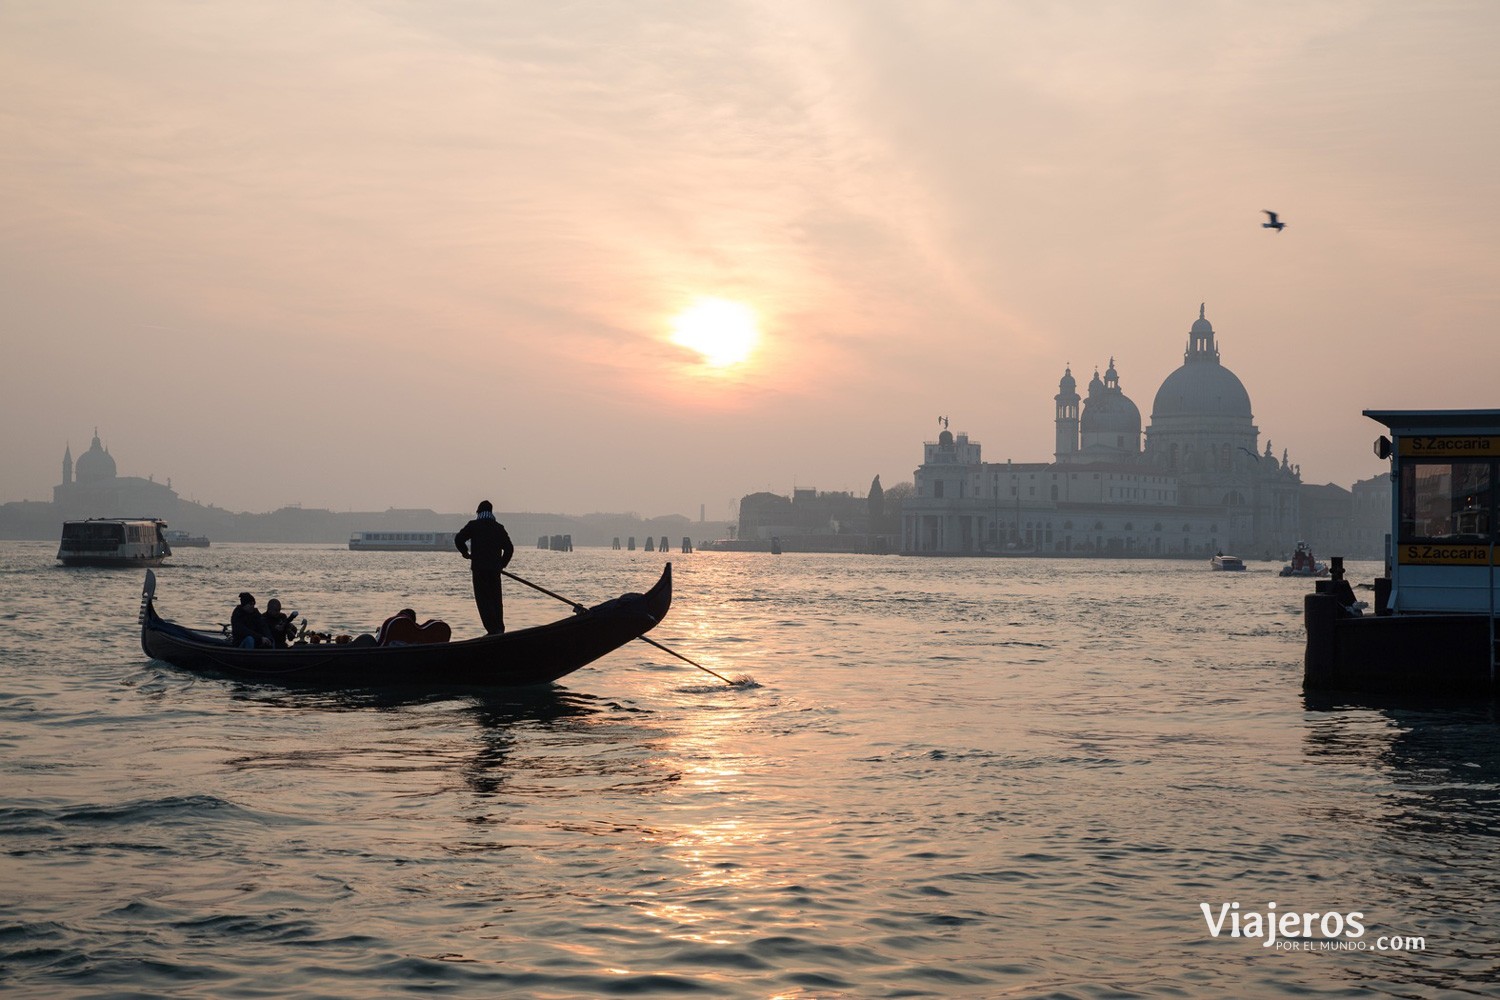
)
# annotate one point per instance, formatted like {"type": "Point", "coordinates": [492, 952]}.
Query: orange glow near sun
{"type": "Point", "coordinates": [724, 333]}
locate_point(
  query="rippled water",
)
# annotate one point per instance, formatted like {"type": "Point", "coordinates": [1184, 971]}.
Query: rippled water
{"type": "Point", "coordinates": [982, 778]}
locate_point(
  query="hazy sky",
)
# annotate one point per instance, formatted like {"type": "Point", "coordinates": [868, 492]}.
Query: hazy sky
{"type": "Point", "coordinates": [387, 253]}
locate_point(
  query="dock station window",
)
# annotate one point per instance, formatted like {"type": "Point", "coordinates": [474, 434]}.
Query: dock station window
{"type": "Point", "coordinates": [1447, 500]}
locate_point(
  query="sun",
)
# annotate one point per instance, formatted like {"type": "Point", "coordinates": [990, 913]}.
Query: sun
{"type": "Point", "coordinates": [723, 332]}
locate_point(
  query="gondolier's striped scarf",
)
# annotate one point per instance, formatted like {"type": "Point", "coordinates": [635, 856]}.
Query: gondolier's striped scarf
{"type": "Point", "coordinates": [485, 515]}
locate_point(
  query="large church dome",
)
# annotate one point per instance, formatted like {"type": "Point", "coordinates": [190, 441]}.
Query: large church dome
{"type": "Point", "coordinates": [96, 464]}
{"type": "Point", "coordinates": [1202, 387]}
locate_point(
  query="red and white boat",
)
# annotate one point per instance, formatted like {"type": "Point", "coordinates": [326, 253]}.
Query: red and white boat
{"type": "Point", "coordinates": [1303, 563]}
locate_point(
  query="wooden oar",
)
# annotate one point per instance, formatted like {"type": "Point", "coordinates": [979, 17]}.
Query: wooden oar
{"type": "Point", "coordinates": [580, 609]}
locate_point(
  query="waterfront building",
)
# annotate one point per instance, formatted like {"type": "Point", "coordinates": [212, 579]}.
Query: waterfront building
{"type": "Point", "coordinates": [1370, 515]}
{"type": "Point", "coordinates": [1193, 483]}
{"type": "Point", "coordinates": [1325, 515]}
{"type": "Point", "coordinates": [807, 521]}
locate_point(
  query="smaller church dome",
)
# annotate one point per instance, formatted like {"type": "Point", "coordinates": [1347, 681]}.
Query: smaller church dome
{"type": "Point", "coordinates": [95, 464]}
{"type": "Point", "coordinates": [1111, 413]}
{"type": "Point", "coordinates": [1110, 418]}
{"type": "Point", "coordinates": [1067, 383]}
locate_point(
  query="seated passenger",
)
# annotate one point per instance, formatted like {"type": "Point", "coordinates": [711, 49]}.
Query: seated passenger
{"type": "Point", "coordinates": [401, 629]}
{"type": "Point", "coordinates": [278, 624]}
{"type": "Point", "coordinates": [383, 636]}
{"type": "Point", "coordinates": [247, 626]}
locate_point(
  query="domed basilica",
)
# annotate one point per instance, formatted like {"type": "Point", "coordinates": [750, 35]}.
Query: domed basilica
{"type": "Point", "coordinates": [1195, 485]}
{"type": "Point", "coordinates": [91, 488]}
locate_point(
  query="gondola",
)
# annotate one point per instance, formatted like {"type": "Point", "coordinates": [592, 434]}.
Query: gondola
{"type": "Point", "coordinates": [524, 657]}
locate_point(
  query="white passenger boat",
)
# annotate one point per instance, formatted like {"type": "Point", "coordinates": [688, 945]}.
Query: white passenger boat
{"type": "Point", "coordinates": [114, 541]}
{"type": "Point", "coordinates": [183, 539]}
{"type": "Point", "coordinates": [1221, 561]}
{"type": "Point", "coordinates": [402, 541]}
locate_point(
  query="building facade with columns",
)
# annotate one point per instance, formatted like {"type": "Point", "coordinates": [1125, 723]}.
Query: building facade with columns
{"type": "Point", "coordinates": [1193, 483]}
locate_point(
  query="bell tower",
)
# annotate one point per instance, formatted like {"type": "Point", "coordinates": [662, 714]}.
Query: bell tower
{"type": "Point", "coordinates": [1067, 416]}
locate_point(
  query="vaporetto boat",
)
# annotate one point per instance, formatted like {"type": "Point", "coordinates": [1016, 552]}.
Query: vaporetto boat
{"type": "Point", "coordinates": [402, 541]}
{"type": "Point", "coordinates": [114, 541]}
{"type": "Point", "coordinates": [184, 539]}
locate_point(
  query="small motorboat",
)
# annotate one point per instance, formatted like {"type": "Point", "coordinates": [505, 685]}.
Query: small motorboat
{"type": "Point", "coordinates": [537, 655]}
{"type": "Point", "coordinates": [1303, 563]}
{"type": "Point", "coordinates": [1221, 561]}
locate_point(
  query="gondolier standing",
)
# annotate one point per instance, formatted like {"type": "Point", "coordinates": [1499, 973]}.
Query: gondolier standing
{"type": "Point", "coordinates": [486, 544]}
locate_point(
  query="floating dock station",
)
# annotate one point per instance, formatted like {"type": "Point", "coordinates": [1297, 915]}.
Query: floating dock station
{"type": "Point", "coordinates": [1433, 629]}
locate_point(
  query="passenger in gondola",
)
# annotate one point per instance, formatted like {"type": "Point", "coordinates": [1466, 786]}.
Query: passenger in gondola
{"type": "Point", "coordinates": [406, 616]}
{"type": "Point", "coordinates": [247, 626]}
{"type": "Point", "coordinates": [486, 544]}
{"type": "Point", "coordinates": [279, 624]}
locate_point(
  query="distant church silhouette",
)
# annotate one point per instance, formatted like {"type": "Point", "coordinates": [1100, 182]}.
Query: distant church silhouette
{"type": "Point", "coordinates": [91, 488]}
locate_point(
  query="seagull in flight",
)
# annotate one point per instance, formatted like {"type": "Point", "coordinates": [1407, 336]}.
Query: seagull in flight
{"type": "Point", "coordinates": [1275, 223]}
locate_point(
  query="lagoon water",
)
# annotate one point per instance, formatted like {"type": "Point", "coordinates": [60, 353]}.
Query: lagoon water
{"type": "Point", "coordinates": [945, 778]}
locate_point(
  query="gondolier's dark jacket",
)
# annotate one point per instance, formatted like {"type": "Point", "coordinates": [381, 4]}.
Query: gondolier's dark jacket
{"type": "Point", "coordinates": [488, 545]}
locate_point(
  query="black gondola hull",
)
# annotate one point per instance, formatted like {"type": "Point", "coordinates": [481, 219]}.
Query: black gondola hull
{"type": "Point", "coordinates": [525, 657]}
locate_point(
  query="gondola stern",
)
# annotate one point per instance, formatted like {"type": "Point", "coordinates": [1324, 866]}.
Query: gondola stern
{"type": "Point", "coordinates": [148, 610]}
{"type": "Point", "coordinates": [659, 597]}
